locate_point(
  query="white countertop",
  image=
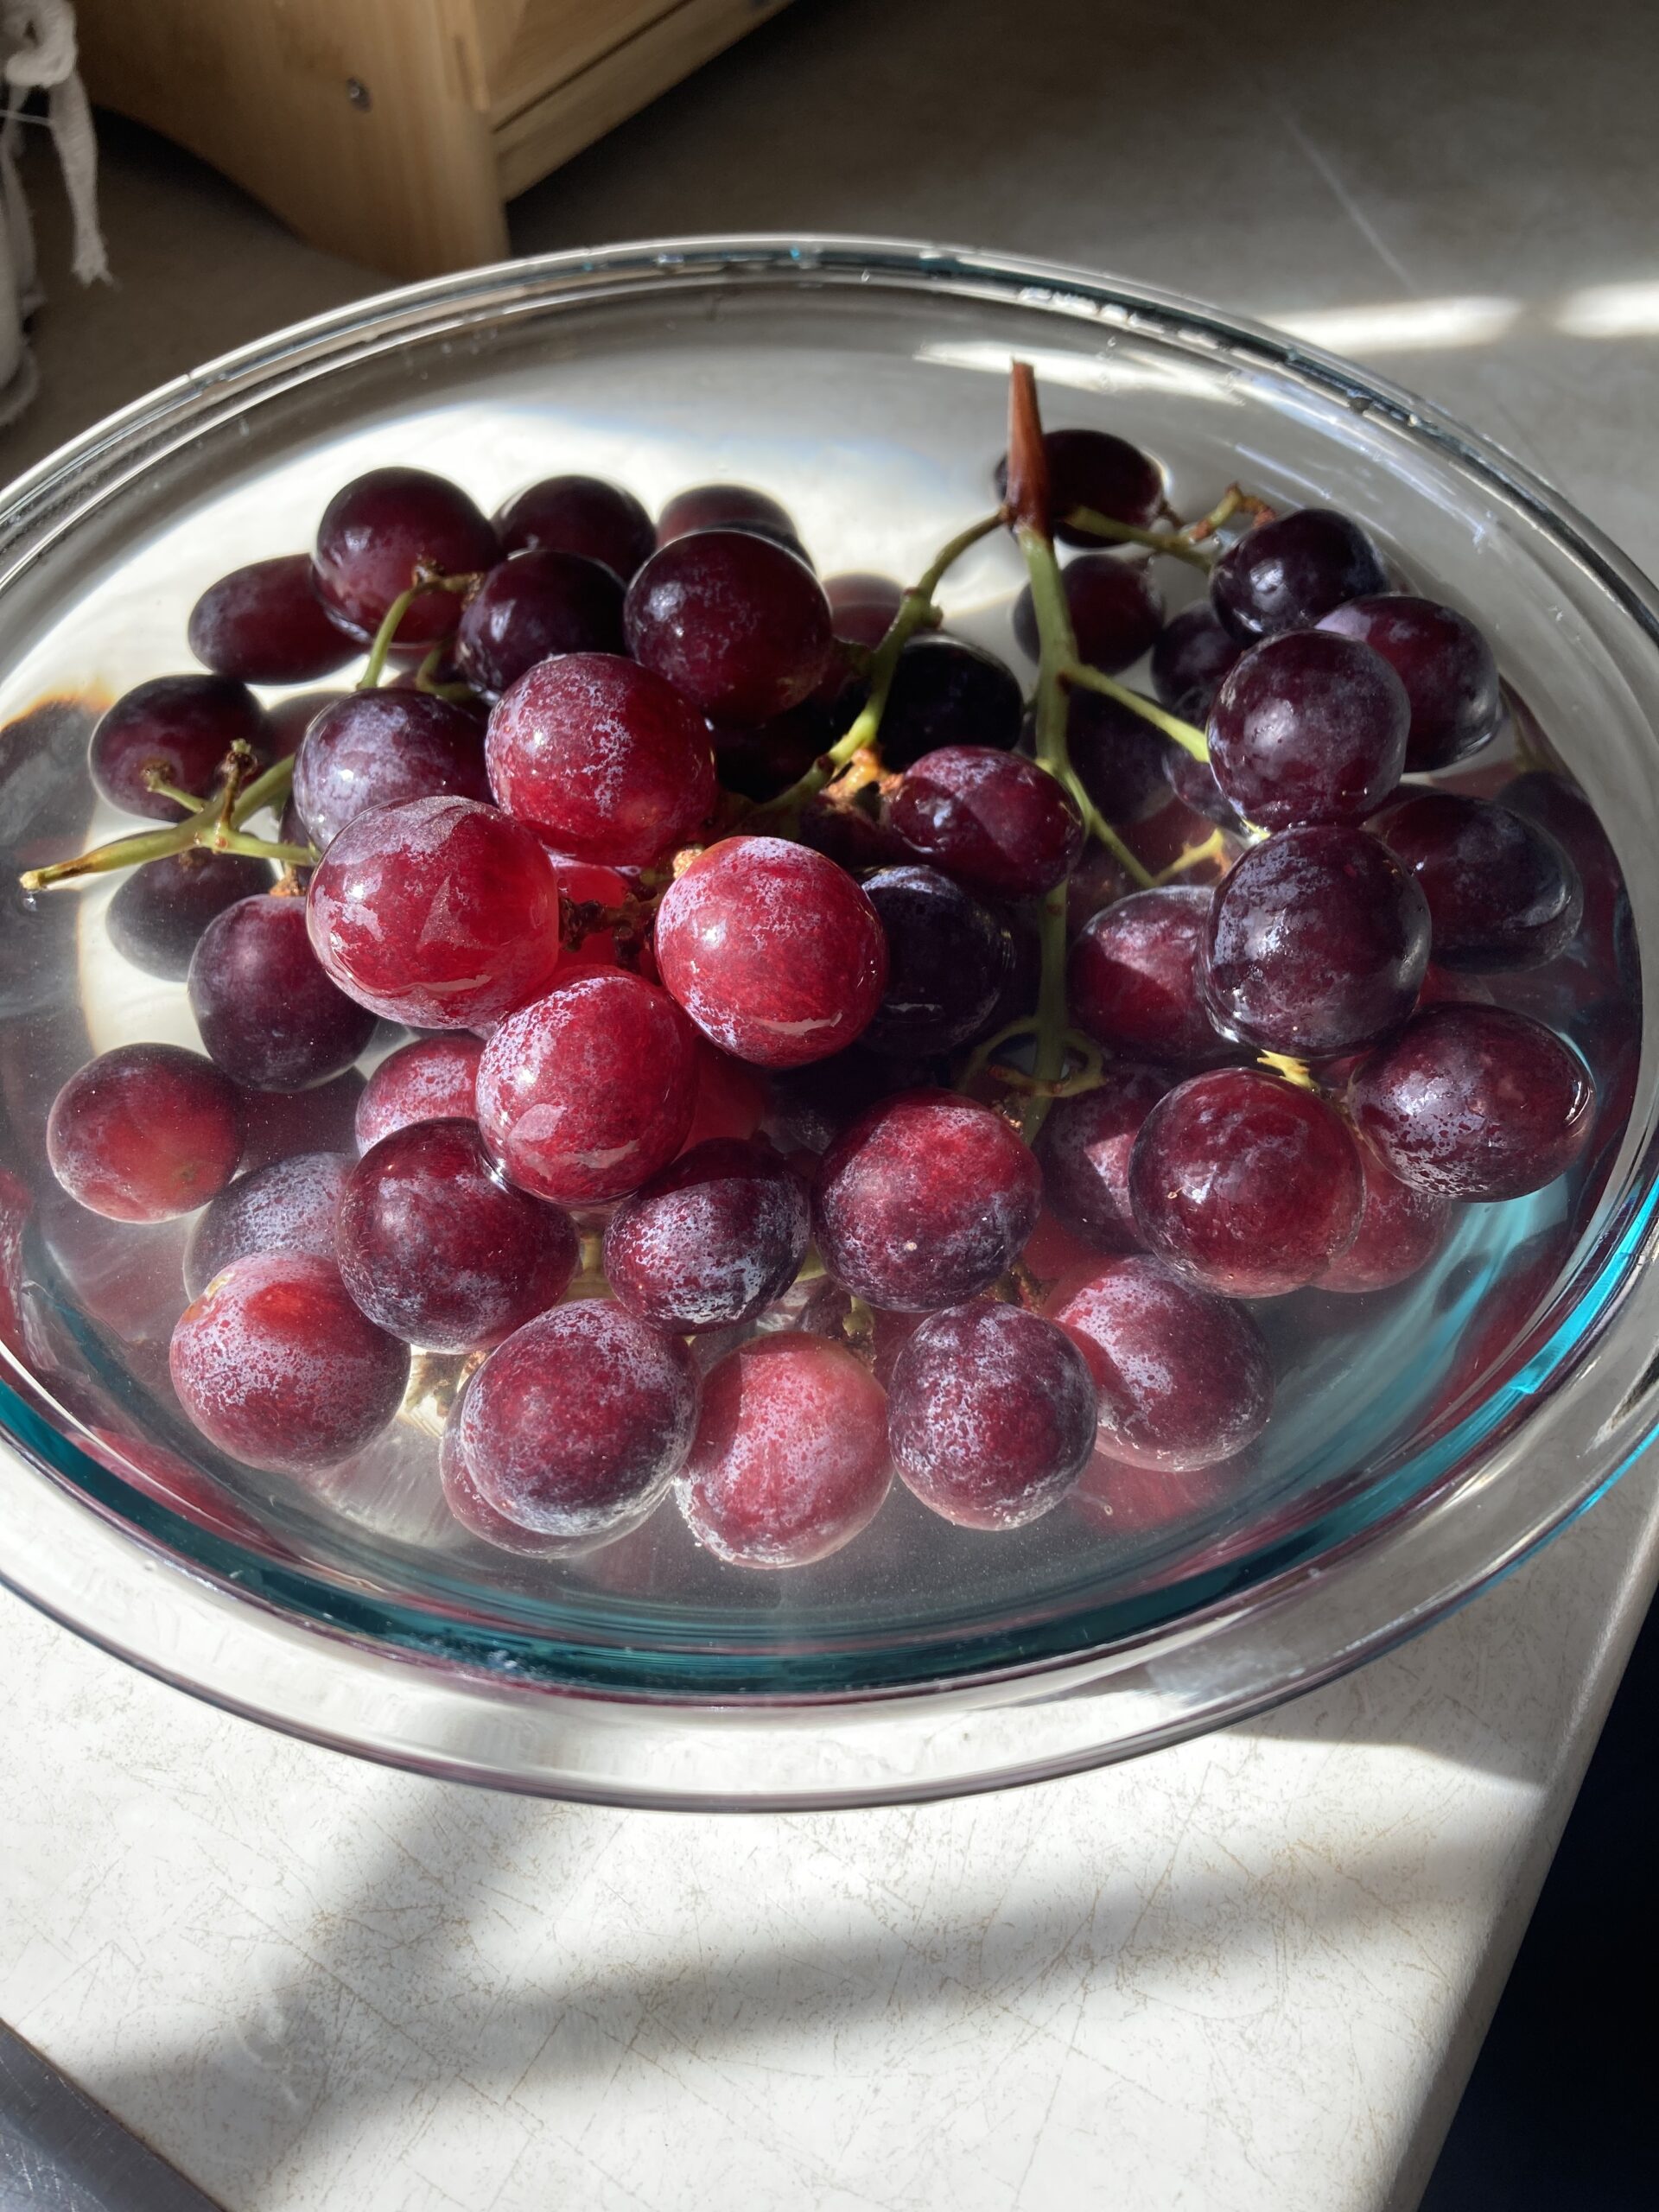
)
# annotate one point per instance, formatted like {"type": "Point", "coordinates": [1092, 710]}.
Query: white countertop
{"type": "Point", "coordinates": [1250, 1973]}
{"type": "Point", "coordinates": [1245, 1975]}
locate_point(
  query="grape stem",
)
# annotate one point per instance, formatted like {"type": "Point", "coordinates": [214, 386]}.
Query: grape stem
{"type": "Point", "coordinates": [215, 824]}
{"type": "Point", "coordinates": [425, 579]}
{"type": "Point", "coordinates": [915, 609]}
{"type": "Point", "coordinates": [1187, 736]}
{"type": "Point", "coordinates": [1176, 542]}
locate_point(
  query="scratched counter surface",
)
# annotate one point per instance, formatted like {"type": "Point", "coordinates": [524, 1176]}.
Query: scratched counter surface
{"type": "Point", "coordinates": [1249, 1972]}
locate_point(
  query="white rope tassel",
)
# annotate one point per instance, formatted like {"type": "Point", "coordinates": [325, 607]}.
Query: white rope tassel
{"type": "Point", "coordinates": [37, 51]}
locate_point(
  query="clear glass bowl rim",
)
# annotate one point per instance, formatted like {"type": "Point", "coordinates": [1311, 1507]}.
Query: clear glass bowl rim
{"type": "Point", "coordinates": [145, 1588]}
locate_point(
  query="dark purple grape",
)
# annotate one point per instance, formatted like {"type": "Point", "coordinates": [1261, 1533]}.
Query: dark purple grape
{"type": "Point", "coordinates": [1245, 1184]}
{"type": "Point", "coordinates": [1084, 1150]}
{"type": "Point", "coordinates": [710, 1241]}
{"type": "Point", "coordinates": [531, 607]}
{"type": "Point", "coordinates": [1471, 1102]}
{"type": "Point", "coordinates": [377, 530]}
{"type": "Point", "coordinates": [1501, 891]}
{"type": "Point", "coordinates": [1308, 727]}
{"type": "Point", "coordinates": [264, 624]}
{"type": "Point", "coordinates": [1317, 942]}
{"type": "Point", "coordinates": [994, 820]}
{"type": "Point", "coordinates": [379, 748]}
{"type": "Point", "coordinates": [160, 910]}
{"type": "Point", "coordinates": [1133, 978]}
{"type": "Point", "coordinates": [144, 1132]}
{"type": "Point", "coordinates": [945, 691]}
{"type": "Point", "coordinates": [736, 622]}
{"type": "Point", "coordinates": [862, 605]}
{"type": "Point", "coordinates": [1193, 652]}
{"type": "Point", "coordinates": [180, 725]}
{"type": "Point", "coordinates": [1117, 611]}
{"type": "Point", "coordinates": [991, 1415]}
{"type": "Point", "coordinates": [276, 1366]}
{"type": "Point", "coordinates": [760, 760]}
{"type": "Point", "coordinates": [1183, 1376]}
{"type": "Point", "coordinates": [438, 1250]}
{"type": "Point", "coordinates": [1400, 1229]}
{"type": "Point", "coordinates": [1119, 757]}
{"type": "Point", "coordinates": [791, 1456]}
{"type": "Point", "coordinates": [949, 958]}
{"type": "Point", "coordinates": [923, 1201]}
{"type": "Point", "coordinates": [1092, 468]}
{"type": "Point", "coordinates": [1285, 574]}
{"type": "Point", "coordinates": [290, 1206]}
{"type": "Point", "coordinates": [576, 1426]}
{"type": "Point", "coordinates": [1446, 666]}
{"type": "Point", "coordinates": [727, 506]}
{"type": "Point", "coordinates": [268, 1014]}
{"type": "Point", "coordinates": [579, 514]}
{"type": "Point", "coordinates": [1193, 782]}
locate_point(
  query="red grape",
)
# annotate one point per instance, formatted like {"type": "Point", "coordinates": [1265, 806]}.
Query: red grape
{"type": "Point", "coordinates": [994, 820]}
{"type": "Point", "coordinates": [1473, 1102]}
{"type": "Point", "coordinates": [182, 727]}
{"type": "Point", "coordinates": [1133, 978]}
{"type": "Point", "coordinates": [1400, 1229]}
{"type": "Point", "coordinates": [434, 1079]}
{"type": "Point", "coordinates": [711, 1241]}
{"type": "Point", "coordinates": [159, 910]}
{"type": "Point", "coordinates": [1446, 665]}
{"type": "Point", "coordinates": [773, 951]}
{"type": "Point", "coordinates": [377, 530]}
{"type": "Point", "coordinates": [529, 608]}
{"type": "Point", "coordinates": [290, 1206]}
{"type": "Point", "coordinates": [268, 1014]}
{"type": "Point", "coordinates": [586, 1092]}
{"type": "Point", "coordinates": [579, 514]}
{"type": "Point", "coordinates": [381, 748]}
{"type": "Point", "coordinates": [144, 1132]}
{"type": "Point", "coordinates": [1183, 1376]}
{"type": "Point", "coordinates": [436, 1249]}
{"type": "Point", "coordinates": [1085, 1151]}
{"type": "Point", "coordinates": [760, 760]}
{"type": "Point", "coordinates": [1119, 757]}
{"type": "Point", "coordinates": [925, 1200]}
{"type": "Point", "coordinates": [1285, 574]}
{"type": "Point", "coordinates": [1117, 611]}
{"type": "Point", "coordinates": [991, 1415]}
{"type": "Point", "coordinates": [790, 1456]}
{"type": "Point", "coordinates": [606, 760]}
{"type": "Point", "coordinates": [1318, 941]}
{"type": "Point", "coordinates": [1308, 727]}
{"type": "Point", "coordinates": [574, 1426]}
{"type": "Point", "coordinates": [277, 1366]}
{"type": "Point", "coordinates": [1501, 891]}
{"type": "Point", "coordinates": [461, 1495]}
{"type": "Point", "coordinates": [441, 912]}
{"type": "Point", "coordinates": [738, 623]}
{"type": "Point", "coordinates": [264, 624]}
{"type": "Point", "coordinates": [1245, 1184]}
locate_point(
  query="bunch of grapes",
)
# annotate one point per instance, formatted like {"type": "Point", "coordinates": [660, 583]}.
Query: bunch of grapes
{"type": "Point", "coordinates": [830, 1061]}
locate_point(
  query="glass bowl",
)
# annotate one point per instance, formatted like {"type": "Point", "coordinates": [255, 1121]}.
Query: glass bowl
{"type": "Point", "coordinates": [1413, 1459]}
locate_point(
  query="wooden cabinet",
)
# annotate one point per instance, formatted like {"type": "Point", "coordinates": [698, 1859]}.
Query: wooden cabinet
{"type": "Point", "coordinates": [392, 130]}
